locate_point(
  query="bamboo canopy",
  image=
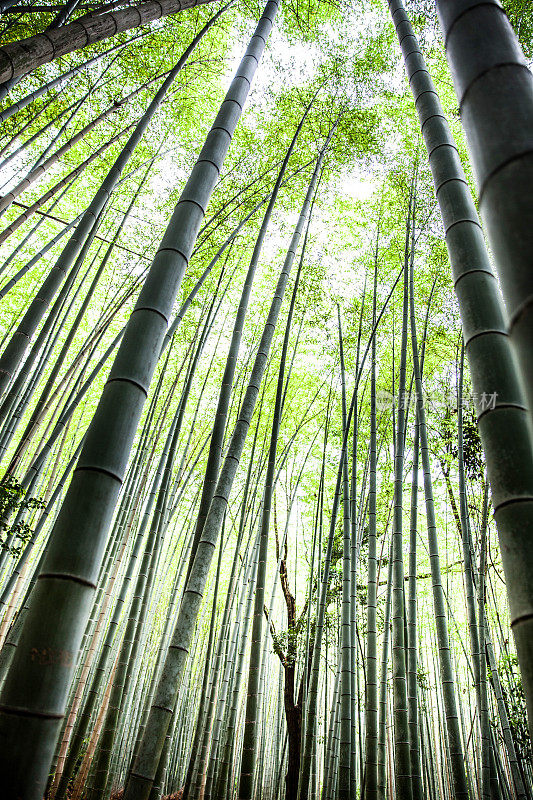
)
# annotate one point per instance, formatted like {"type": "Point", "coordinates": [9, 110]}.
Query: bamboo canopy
{"type": "Point", "coordinates": [266, 481]}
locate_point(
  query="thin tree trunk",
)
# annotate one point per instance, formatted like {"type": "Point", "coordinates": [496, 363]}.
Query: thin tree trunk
{"type": "Point", "coordinates": [402, 755]}
{"type": "Point", "coordinates": [371, 704]}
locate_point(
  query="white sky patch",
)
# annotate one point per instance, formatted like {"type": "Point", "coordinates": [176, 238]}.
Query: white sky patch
{"type": "Point", "coordinates": [357, 187]}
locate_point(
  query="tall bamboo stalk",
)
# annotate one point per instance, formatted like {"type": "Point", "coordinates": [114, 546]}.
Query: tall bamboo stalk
{"type": "Point", "coordinates": [30, 708]}
{"type": "Point", "coordinates": [502, 418]}
{"type": "Point", "coordinates": [19, 58]}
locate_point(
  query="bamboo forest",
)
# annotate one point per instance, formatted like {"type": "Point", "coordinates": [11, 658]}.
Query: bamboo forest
{"type": "Point", "coordinates": [266, 394]}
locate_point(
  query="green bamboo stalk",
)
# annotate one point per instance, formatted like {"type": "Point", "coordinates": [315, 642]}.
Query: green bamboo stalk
{"type": "Point", "coordinates": [371, 707]}
{"type": "Point", "coordinates": [484, 704]}
{"type": "Point", "coordinates": [19, 105]}
{"type": "Point", "coordinates": [453, 738]}
{"type": "Point", "coordinates": [503, 424]}
{"type": "Point", "coordinates": [494, 88]}
{"type": "Point", "coordinates": [19, 58]}
{"type": "Point", "coordinates": [14, 352]}
{"type": "Point", "coordinates": [382, 702]}
{"type": "Point", "coordinates": [346, 643]}
{"type": "Point", "coordinates": [221, 414]}
{"type": "Point", "coordinates": [254, 687]}
{"type": "Point", "coordinates": [402, 758]}
{"type": "Point", "coordinates": [412, 639]}
{"type": "Point", "coordinates": [100, 473]}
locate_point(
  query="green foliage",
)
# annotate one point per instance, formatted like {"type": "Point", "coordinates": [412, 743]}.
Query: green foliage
{"type": "Point", "coordinates": [13, 501]}
{"type": "Point", "coordinates": [520, 13]}
{"type": "Point", "coordinates": [288, 643]}
{"type": "Point", "coordinates": [515, 700]}
{"type": "Point", "coordinates": [344, 55]}
{"type": "Point", "coordinates": [472, 450]}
